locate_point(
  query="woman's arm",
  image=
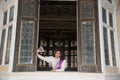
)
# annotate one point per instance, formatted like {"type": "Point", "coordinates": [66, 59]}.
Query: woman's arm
{"type": "Point", "coordinates": [47, 59]}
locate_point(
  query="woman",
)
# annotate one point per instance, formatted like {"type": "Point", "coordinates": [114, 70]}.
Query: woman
{"type": "Point", "coordinates": [58, 62]}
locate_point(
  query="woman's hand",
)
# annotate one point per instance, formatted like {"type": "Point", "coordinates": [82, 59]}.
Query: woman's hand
{"type": "Point", "coordinates": [53, 70]}
{"type": "Point", "coordinates": [38, 51]}
{"type": "Point", "coordinates": [37, 54]}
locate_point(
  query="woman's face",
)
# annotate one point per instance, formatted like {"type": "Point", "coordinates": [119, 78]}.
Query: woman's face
{"type": "Point", "coordinates": [57, 54]}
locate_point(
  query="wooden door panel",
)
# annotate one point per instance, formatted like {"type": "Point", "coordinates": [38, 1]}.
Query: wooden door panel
{"type": "Point", "coordinates": [26, 36]}
{"type": "Point", "coordinates": [88, 36]}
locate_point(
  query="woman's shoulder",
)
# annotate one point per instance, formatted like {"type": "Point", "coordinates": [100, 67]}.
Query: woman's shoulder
{"type": "Point", "coordinates": [64, 60]}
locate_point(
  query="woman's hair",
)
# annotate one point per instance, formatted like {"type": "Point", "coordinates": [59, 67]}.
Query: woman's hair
{"type": "Point", "coordinates": [62, 57]}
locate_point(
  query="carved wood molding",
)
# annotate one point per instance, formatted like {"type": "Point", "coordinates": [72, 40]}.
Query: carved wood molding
{"type": "Point", "coordinates": [58, 8]}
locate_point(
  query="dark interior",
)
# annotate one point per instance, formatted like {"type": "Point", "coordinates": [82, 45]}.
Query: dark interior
{"type": "Point", "coordinates": [57, 30]}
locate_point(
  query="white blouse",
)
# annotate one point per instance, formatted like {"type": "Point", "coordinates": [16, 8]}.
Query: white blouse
{"type": "Point", "coordinates": [53, 61]}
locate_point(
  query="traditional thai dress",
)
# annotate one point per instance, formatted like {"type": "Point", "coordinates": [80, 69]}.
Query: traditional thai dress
{"type": "Point", "coordinates": [57, 64]}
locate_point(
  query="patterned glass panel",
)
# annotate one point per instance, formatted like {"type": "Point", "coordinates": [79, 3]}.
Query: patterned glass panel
{"type": "Point", "coordinates": [111, 19]}
{"type": "Point", "coordinates": [28, 7]}
{"type": "Point", "coordinates": [11, 13]}
{"type": "Point", "coordinates": [113, 48]}
{"type": "Point", "coordinates": [26, 42]}
{"type": "Point", "coordinates": [88, 43]}
{"type": "Point", "coordinates": [104, 17]}
{"type": "Point", "coordinates": [8, 45]}
{"type": "Point", "coordinates": [87, 9]}
{"type": "Point", "coordinates": [5, 18]}
{"type": "Point", "coordinates": [106, 51]}
{"type": "Point", "coordinates": [2, 44]}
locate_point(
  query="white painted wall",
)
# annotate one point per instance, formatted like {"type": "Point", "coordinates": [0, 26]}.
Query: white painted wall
{"type": "Point", "coordinates": [101, 36]}
{"type": "Point", "coordinates": [55, 76]}
{"type": "Point", "coordinates": [58, 76]}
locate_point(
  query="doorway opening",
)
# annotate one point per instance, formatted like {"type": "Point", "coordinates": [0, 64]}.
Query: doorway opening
{"type": "Point", "coordinates": [57, 30]}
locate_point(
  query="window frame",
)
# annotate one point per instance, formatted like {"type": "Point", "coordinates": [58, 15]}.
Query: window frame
{"type": "Point", "coordinates": [5, 25]}
{"type": "Point", "coordinates": [93, 39]}
{"type": "Point", "coordinates": [110, 28]}
{"type": "Point", "coordinates": [7, 43]}
{"type": "Point", "coordinates": [20, 43]}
